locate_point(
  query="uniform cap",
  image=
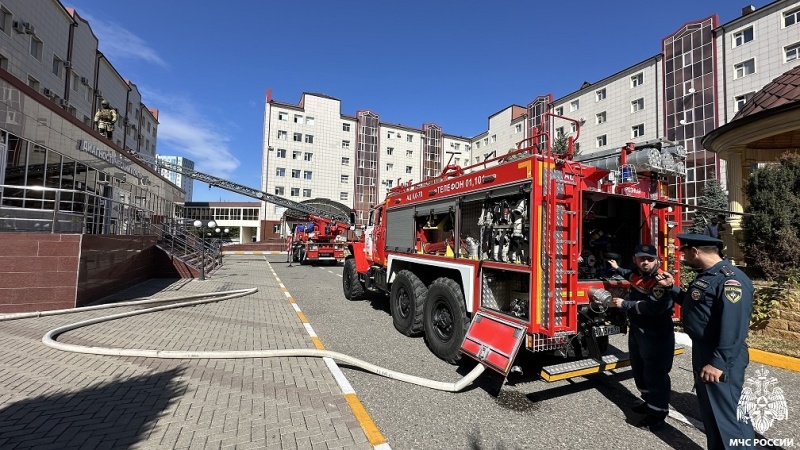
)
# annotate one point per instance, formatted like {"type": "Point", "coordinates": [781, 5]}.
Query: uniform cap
{"type": "Point", "coordinates": [645, 250]}
{"type": "Point", "coordinates": [699, 240]}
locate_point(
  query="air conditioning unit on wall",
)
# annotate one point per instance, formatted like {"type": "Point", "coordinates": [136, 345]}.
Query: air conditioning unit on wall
{"type": "Point", "coordinates": [84, 81]}
{"type": "Point", "coordinates": [47, 92]}
{"type": "Point", "coordinates": [19, 26]}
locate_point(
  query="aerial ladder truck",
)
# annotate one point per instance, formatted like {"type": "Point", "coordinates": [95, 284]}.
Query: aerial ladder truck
{"type": "Point", "coordinates": [320, 238]}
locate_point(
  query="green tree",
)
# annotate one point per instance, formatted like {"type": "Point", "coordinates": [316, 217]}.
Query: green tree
{"type": "Point", "coordinates": [772, 227]}
{"type": "Point", "coordinates": [560, 144]}
{"type": "Point", "coordinates": [711, 203]}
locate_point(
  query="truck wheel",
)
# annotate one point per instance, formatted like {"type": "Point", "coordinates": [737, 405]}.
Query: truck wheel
{"type": "Point", "coordinates": [406, 302]}
{"type": "Point", "coordinates": [445, 319]}
{"type": "Point", "coordinates": [351, 285]}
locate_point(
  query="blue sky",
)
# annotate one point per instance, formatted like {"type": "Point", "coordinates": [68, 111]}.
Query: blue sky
{"type": "Point", "coordinates": [207, 65]}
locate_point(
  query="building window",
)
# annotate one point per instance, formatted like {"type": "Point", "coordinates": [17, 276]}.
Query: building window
{"type": "Point", "coordinates": [409, 153]}
{"type": "Point", "coordinates": [574, 105]}
{"type": "Point", "coordinates": [298, 118]}
{"type": "Point", "coordinates": [345, 127]}
{"type": "Point", "coordinates": [295, 173]}
{"type": "Point", "coordinates": [282, 116]}
{"type": "Point", "coordinates": [485, 141]}
{"type": "Point", "coordinates": [745, 68]}
{"type": "Point", "coordinates": [389, 183]}
{"type": "Point", "coordinates": [309, 139]}
{"type": "Point", "coordinates": [560, 131]}
{"type": "Point", "coordinates": [345, 178]}
{"type": "Point", "coordinates": [409, 138]}
{"type": "Point", "coordinates": [297, 137]}
{"type": "Point", "coordinates": [494, 138]}
{"type": "Point", "coordinates": [390, 135]}
{"type": "Point", "coordinates": [309, 121]}
{"type": "Point", "coordinates": [33, 83]}
{"type": "Point", "coordinates": [389, 166]}
{"type": "Point", "coordinates": [792, 52]}
{"type": "Point", "coordinates": [345, 144]}
{"type": "Point", "coordinates": [282, 135]}
{"type": "Point", "coordinates": [295, 192]}
{"type": "Point", "coordinates": [600, 95]}
{"type": "Point", "coordinates": [637, 80]}
{"type": "Point", "coordinates": [345, 161]}
{"type": "Point", "coordinates": [307, 156]}
{"type": "Point", "coordinates": [573, 127]}
{"type": "Point", "coordinates": [389, 150]}
{"type": "Point", "coordinates": [307, 174]}
{"type": "Point", "coordinates": [637, 130]}
{"type": "Point", "coordinates": [601, 141]}
{"type": "Point", "coordinates": [741, 100]}
{"type": "Point", "coordinates": [281, 153]}
{"type": "Point", "coordinates": [560, 111]}
{"type": "Point", "coordinates": [342, 195]}
{"type": "Point", "coordinates": [296, 154]}
{"type": "Point", "coordinates": [5, 21]}
{"type": "Point", "coordinates": [57, 63]}
{"type": "Point", "coordinates": [280, 171]}
{"type": "Point", "coordinates": [687, 59]}
{"type": "Point", "coordinates": [791, 17]}
{"type": "Point", "coordinates": [743, 36]}
{"type": "Point", "coordinates": [600, 118]}
{"type": "Point", "coordinates": [408, 169]}
{"type": "Point", "coordinates": [36, 48]}
{"type": "Point", "coordinates": [307, 193]}
{"type": "Point", "coordinates": [279, 190]}
{"type": "Point", "coordinates": [637, 105]}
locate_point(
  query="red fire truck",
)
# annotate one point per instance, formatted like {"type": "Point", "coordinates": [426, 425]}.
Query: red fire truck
{"type": "Point", "coordinates": [511, 252]}
{"type": "Point", "coordinates": [319, 239]}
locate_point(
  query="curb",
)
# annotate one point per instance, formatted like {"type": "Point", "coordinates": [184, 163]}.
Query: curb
{"type": "Point", "coordinates": [374, 435]}
{"type": "Point", "coordinates": [756, 355]}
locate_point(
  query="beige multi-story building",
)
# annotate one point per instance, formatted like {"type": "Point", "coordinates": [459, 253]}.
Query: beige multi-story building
{"type": "Point", "coordinates": [312, 150]}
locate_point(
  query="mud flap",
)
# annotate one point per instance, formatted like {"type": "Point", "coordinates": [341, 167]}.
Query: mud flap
{"type": "Point", "coordinates": [493, 342]}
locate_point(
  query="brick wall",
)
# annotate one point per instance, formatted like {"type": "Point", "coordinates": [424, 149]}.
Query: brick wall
{"type": "Point", "coordinates": [38, 271]}
{"type": "Point", "coordinates": [784, 320]}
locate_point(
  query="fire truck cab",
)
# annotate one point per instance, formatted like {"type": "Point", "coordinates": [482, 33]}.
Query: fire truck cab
{"type": "Point", "coordinates": [512, 252]}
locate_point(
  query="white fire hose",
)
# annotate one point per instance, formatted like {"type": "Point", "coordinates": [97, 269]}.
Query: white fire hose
{"type": "Point", "coordinates": [49, 339]}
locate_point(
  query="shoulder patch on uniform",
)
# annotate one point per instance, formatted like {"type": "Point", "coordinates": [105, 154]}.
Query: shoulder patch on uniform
{"type": "Point", "coordinates": [727, 271]}
{"type": "Point", "coordinates": [658, 291]}
{"type": "Point", "coordinates": [732, 283]}
{"type": "Point", "coordinates": [733, 293]}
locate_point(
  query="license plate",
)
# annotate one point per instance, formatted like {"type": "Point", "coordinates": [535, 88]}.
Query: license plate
{"type": "Point", "coordinates": [605, 330]}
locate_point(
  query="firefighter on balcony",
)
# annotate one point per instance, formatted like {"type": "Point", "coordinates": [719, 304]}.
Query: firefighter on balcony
{"type": "Point", "coordinates": [651, 339]}
{"type": "Point", "coordinates": [105, 118]}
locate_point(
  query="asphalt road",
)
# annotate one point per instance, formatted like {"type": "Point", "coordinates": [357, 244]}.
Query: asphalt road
{"type": "Point", "coordinates": [522, 412]}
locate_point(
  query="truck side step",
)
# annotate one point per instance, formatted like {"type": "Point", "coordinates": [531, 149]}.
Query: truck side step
{"type": "Point", "coordinates": [589, 366]}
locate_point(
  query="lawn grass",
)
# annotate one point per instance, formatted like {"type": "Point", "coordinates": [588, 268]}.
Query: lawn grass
{"type": "Point", "coordinates": [773, 344]}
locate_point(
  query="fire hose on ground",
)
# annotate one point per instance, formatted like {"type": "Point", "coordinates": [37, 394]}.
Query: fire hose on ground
{"type": "Point", "coordinates": [49, 339]}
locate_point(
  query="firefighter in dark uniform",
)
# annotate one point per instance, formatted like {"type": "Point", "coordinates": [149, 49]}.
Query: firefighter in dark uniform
{"type": "Point", "coordinates": [651, 338]}
{"type": "Point", "coordinates": [719, 294]}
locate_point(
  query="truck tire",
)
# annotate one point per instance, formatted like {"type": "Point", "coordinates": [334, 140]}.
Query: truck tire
{"type": "Point", "coordinates": [351, 285]}
{"type": "Point", "coordinates": [406, 303]}
{"type": "Point", "coordinates": [445, 319]}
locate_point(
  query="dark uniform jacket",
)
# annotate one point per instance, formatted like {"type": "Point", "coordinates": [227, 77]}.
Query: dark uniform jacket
{"type": "Point", "coordinates": [649, 305]}
{"type": "Point", "coordinates": [716, 312]}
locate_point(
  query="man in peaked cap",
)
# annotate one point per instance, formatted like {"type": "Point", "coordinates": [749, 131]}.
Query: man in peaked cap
{"type": "Point", "coordinates": [651, 338]}
{"type": "Point", "coordinates": [720, 293]}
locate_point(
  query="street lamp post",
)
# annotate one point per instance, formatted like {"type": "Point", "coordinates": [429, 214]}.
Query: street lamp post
{"type": "Point", "coordinates": [201, 227]}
